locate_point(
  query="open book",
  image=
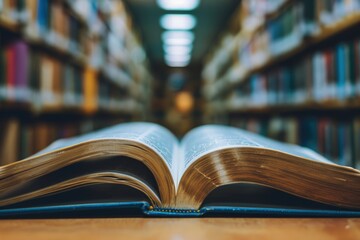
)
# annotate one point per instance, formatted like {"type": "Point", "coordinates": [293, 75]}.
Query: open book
{"type": "Point", "coordinates": [143, 162]}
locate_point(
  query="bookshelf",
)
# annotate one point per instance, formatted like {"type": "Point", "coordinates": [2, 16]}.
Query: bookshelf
{"type": "Point", "coordinates": [348, 23]}
{"type": "Point", "coordinates": [311, 107]}
{"type": "Point", "coordinates": [67, 67]}
{"type": "Point", "coordinates": [291, 70]}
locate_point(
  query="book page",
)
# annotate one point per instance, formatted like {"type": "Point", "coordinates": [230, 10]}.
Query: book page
{"type": "Point", "coordinates": [158, 138]}
{"type": "Point", "coordinates": [285, 147]}
{"type": "Point", "coordinates": [205, 139]}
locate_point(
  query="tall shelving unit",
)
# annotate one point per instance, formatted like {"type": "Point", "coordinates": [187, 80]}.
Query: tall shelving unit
{"type": "Point", "coordinates": [292, 73]}
{"type": "Point", "coordinates": [67, 67]}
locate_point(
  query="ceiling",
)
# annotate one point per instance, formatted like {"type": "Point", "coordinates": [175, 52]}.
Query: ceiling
{"type": "Point", "coordinates": [212, 16]}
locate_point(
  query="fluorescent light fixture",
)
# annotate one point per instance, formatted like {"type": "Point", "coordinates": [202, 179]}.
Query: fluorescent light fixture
{"type": "Point", "coordinates": [178, 4]}
{"type": "Point", "coordinates": [177, 50]}
{"type": "Point", "coordinates": [177, 58]}
{"type": "Point", "coordinates": [178, 21]}
{"type": "Point", "coordinates": [177, 37]}
{"type": "Point", "coordinates": [177, 64]}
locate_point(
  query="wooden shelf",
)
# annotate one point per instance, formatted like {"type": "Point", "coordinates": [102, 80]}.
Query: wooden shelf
{"type": "Point", "coordinates": [9, 25]}
{"type": "Point", "coordinates": [41, 44]}
{"type": "Point", "coordinates": [312, 107]}
{"type": "Point", "coordinates": [63, 54]}
{"type": "Point", "coordinates": [13, 108]}
{"type": "Point", "coordinates": [10, 109]}
{"type": "Point", "coordinates": [326, 33]}
{"type": "Point", "coordinates": [113, 113]}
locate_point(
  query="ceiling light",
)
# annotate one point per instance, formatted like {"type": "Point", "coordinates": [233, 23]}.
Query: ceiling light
{"type": "Point", "coordinates": [177, 58]}
{"type": "Point", "coordinates": [176, 64]}
{"type": "Point", "coordinates": [178, 21]}
{"type": "Point", "coordinates": [178, 50]}
{"type": "Point", "coordinates": [178, 41]}
{"type": "Point", "coordinates": [177, 37]}
{"type": "Point", "coordinates": [178, 4]}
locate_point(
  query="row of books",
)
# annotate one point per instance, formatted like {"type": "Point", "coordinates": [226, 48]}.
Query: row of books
{"type": "Point", "coordinates": [220, 60]}
{"type": "Point", "coordinates": [329, 75]}
{"type": "Point", "coordinates": [336, 139]}
{"type": "Point", "coordinates": [51, 21]}
{"type": "Point", "coordinates": [110, 21]}
{"type": "Point", "coordinates": [68, 24]}
{"type": "Point", "coordinates": [97, 33]}
{"type": "Point", "coordinates": [45, 82]}
{"type": "Point", "coordinates": [252, 15]}
{"type": "Point", "coordinates": [48, 22]}
{"type": "Point", "coordinates": [294, 26]}
{"type": "Point", "coordinates": [101, 31]}
{"type": "Point", "coordinates": [254, 12]}
{"type": "Point", "coordinates": [20, 139]}
{"type": "Point", "coordinates": [13, 11]}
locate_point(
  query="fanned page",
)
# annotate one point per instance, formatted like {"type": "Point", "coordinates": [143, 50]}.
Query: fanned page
{"type": "Point", "coordinates": [209, 138]}
{"type": "Point", "coordinates": [147, 143]}
{"type": "Point", "coordinates": [158, 138]}
{"type": "Point", "coordinates": [215, 156]}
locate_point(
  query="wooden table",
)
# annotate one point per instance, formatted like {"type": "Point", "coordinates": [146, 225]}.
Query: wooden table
{"type": "Point", "coordinates": [179, 229]}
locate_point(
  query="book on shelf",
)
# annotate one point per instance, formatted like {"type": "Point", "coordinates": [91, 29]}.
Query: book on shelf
{"type": "Point", "coordinates": [12, 12]}
{"type": "Point", "coordinates": [214, 169]}
{"type": "Point", "coordinates": [50, 46]}
{"type": "Point", "coordinates": [23, 137]}
{"type": "Point", "coordinates": [46, 82]}
{"type": "Point", "coordinates": [14, 75]}
{"type": "Point", "coordinates": [52, 23]}
{"type": "Point", "coordinates": [330, 74]}
{"type": "Point", "coordinates": [294, 29]}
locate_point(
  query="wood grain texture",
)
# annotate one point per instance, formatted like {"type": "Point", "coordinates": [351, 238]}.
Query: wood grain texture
{"type": "Point", "coordinates": [178, 229]}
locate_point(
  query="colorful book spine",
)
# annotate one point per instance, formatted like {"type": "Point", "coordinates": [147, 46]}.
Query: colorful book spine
{"type": "Point", "coordinates": [22, 90]}
{"type": "Point", "coordinates": [330, 74]}
{"type": "Point", "coordinates": [341, 72]}
{"type": "Point", "coordinates": [42, 19]}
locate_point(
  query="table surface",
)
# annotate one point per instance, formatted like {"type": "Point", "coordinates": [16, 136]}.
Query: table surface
{"type": "Point", "coordinates": [179, 229]}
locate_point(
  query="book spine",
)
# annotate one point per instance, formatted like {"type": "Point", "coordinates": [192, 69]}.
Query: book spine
{"type": "Point", "coordinates": [10, 70]}
{"type": "Point", "coordinates": [357, 66]}
{"type": "Point", "coordinates": [42, 16]}
{"type": "Point", "coordinates": [329, 74]}
{"type": "Point", "coordinates": [3, 75]}
{"type": "Point", "coordinates": [21, 72]}
{"type": "Point", "coordinates": [341, 72]}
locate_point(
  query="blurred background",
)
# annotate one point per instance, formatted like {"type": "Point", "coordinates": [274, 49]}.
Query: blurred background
{"type": "Point", "coordinates": [286, 69]}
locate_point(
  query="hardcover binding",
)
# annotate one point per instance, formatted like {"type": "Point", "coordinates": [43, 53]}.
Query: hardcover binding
{"type": "Point", "coordinates": [136, 209]}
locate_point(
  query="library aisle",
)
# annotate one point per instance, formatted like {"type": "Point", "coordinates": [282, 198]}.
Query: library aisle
{"type": "Point", "coordinates": [288, 70]}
